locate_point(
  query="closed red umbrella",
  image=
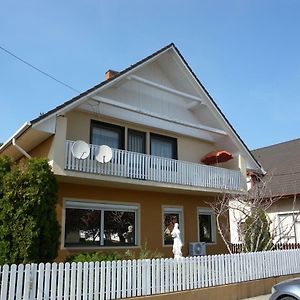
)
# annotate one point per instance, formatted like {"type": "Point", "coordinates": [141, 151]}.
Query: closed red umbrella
{"type": "Point", "coordinates": [215, 157]}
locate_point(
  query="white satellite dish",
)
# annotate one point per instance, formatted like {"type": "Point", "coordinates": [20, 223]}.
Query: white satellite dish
{"type": "Point", "coordinates": [80, 150]}
{"type": "Point", "coordinates": [104, 154]}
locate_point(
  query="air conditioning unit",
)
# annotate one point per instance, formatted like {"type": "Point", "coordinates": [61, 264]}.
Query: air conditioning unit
{"type": "Point", "coordinates": [197, 249]}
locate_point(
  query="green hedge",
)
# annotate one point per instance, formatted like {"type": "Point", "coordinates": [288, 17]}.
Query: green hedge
{"type": "Point", "coordinates": [29, 230]}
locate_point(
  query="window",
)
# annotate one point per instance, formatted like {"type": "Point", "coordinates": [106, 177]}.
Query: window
{"type": "Point", "coordinates": [289, 226]}
{"type": "Point", "coordinates": [241, 227]}
{"type": "Point", "coordinates": [163, 146]}
{"type": "Point", "coordinates": [136, 141]}
{"type": "Point", "coordinates": [93, 225]}
{"type": "Point", "coordinates": [171, 215]}
{"type": "Point", "coordinates": [107, 134]}
{"type": "Point", "coordinates": [207, 227]}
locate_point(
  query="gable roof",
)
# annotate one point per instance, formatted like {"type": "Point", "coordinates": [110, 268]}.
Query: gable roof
{"type": "Point", "coordinates": [282, 164]}
{"type": "Point", "coordinates": [94, 89]}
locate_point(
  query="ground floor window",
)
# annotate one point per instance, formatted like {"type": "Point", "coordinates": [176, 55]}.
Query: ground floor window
{"type": "Point", "coordinates": [171, 215]}
{"type": "Point", "coordinates": [207, 226]}
{"type": "Point", "coordinates": [289, 226]}
{"type": "Point", "coordinates": [92, 224]}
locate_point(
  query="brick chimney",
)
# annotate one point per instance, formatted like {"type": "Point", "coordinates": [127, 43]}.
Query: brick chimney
{"type": "Point", "coordinates": [110, 74]}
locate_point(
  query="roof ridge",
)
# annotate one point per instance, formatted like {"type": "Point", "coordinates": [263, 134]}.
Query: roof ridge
{"type": "Point", "coordinates": [277, 144]}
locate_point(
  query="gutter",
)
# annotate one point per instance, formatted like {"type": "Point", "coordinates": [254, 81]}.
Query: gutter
{"type": "Point", "coordinates": [16, 135]}
{"type": "Point", "coordinates": [19, 148]}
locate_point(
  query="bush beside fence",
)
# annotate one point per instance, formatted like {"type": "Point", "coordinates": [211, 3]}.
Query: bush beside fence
{"type": "Point", "coordinates": [133, 278]}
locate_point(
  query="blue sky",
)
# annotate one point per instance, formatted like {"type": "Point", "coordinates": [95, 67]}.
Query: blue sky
{"type": "Point", "coordinates": [245, 52]}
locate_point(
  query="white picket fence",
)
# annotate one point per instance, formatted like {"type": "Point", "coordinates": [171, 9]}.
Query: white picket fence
{"type": "Point", "coordinates": [133, 278]}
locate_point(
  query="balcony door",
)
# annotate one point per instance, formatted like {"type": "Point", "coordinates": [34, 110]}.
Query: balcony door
{"type": "Point", "coordinates": [136, 141]}
{"type": "Point", "coordinates": [163, 146]}
{"type": "Point", "coordinates": [136, 163]}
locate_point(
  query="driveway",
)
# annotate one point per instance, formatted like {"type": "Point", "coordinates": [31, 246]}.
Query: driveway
{"type": "Point", "coordinates": [262, 297]}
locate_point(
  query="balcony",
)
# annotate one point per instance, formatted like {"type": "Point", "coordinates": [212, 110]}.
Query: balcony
{"type": "Point", "coordinates": [140, 166]}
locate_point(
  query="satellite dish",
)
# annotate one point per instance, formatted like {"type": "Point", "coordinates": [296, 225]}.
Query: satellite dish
{"type": "Point", "coordinates": [104, 154]}
{"type": "Point", "coordinates": [80, 150]}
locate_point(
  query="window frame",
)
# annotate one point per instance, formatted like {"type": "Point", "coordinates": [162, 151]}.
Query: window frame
{"type": "Point", "coordinates": [116, 128]}
{"type": "Point", "coordinates": [281, 217]}
{"type": "Point", "coordinates": [102, 206]}
{"type": "Point", "coordinates": [161, 137]}
{"type": "Point", "coordinates": [176, 210]}
{"type": "Point", "coordinates": [208, 211]}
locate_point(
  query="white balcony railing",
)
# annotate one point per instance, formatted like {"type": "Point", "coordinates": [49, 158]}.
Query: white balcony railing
{"type": "Point", "coordinates": [153, 168]}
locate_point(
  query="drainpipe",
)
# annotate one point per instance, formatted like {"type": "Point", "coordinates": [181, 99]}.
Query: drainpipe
{"type": "Point", "coordinates": [20, 149]}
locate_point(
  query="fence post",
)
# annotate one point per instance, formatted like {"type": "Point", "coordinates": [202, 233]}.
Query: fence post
{"type": "Point", "coordinates": [60, 281]}
{"type": "Point", "coordinates": [27, 281]}
{"type": "Point", "coordinates": [124, 273]}
{"type": "Point", "coordinates": [12, 281]}
{"type": "Point", "coordinates": [33, 279]}
{"type": "Point", "coordinates": [129, 278]}
{"type": "Point", "coordinates": [4, 281]}
{"type": "Point", "coordinates": [91, 279]}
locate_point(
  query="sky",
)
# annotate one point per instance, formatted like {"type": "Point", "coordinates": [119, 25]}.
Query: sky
{"type": "Point", "coordinates": [245, 52]}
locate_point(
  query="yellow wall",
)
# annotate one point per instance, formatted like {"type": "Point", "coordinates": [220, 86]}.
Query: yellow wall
{"type": "Point", "coordinates": [42, 150]}
{"type": "Point", "coordinates": [189, 149]}
{"type": "Point", "coordinates": [150, 213]}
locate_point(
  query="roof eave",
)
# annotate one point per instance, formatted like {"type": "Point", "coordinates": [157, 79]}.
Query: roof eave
{"type": "Point", "coordinates": [18, 133]}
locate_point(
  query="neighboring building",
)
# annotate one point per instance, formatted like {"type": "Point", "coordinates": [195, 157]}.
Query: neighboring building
{"type": "Point", "coordinates": [281, 163]}
{"type": "Point", "coordinates": [160, 122]}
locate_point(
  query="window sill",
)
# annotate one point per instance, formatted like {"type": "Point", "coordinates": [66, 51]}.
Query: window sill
{"type": "Point", "coordinates": [210, 244]}
{"type": "Point", "coordinates": [100, 247]}
{"type": "Point", "coordinates": [167, 246]}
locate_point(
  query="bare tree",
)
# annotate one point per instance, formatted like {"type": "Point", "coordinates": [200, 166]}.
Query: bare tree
{"type": "Point", "coordinates": [249, 212]}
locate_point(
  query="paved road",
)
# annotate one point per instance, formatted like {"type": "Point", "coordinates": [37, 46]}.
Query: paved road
{"type": "Point", "coordinates": [263, 297]}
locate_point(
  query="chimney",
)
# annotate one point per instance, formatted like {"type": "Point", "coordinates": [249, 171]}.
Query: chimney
{"type": "Point", "coordinates": [110, 74]}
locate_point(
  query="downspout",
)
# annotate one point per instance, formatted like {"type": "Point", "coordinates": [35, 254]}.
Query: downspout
{"type": "Point", "coordinates": [19, 148]}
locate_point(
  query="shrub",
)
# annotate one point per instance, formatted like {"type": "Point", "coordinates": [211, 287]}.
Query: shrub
{"type": "Point", "coordinates": [94, 256]}
{"type": "Point", "coordinates": [257, 232]}
{"type": "Point", "coordinates": [29, 230]}
{"type": "Point", "coordinates": [143, 253]}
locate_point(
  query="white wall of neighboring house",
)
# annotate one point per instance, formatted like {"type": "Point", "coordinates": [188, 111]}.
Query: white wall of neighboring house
{"type": "Point", "coordinates": [286, 225]}
{"type": "Point", "coordinates": [236, 217]}
{"type": "Point", "coordinates": [284, 218]}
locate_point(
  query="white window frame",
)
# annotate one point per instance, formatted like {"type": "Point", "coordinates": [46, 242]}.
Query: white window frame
{"type": "Point", "coordinates": [284, 215]}
{"type": "Point", "coordinates": [102, 206]}
{"type": "Point", "coordinates": [175, 210]}
{"type": "Point", "coordinates": [208, 211]}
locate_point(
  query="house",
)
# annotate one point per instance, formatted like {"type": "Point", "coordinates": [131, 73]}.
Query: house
{"type": "Point", "coordinates": [159, 122]}
{"type": "Point", "coordinates": [281, 163]}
